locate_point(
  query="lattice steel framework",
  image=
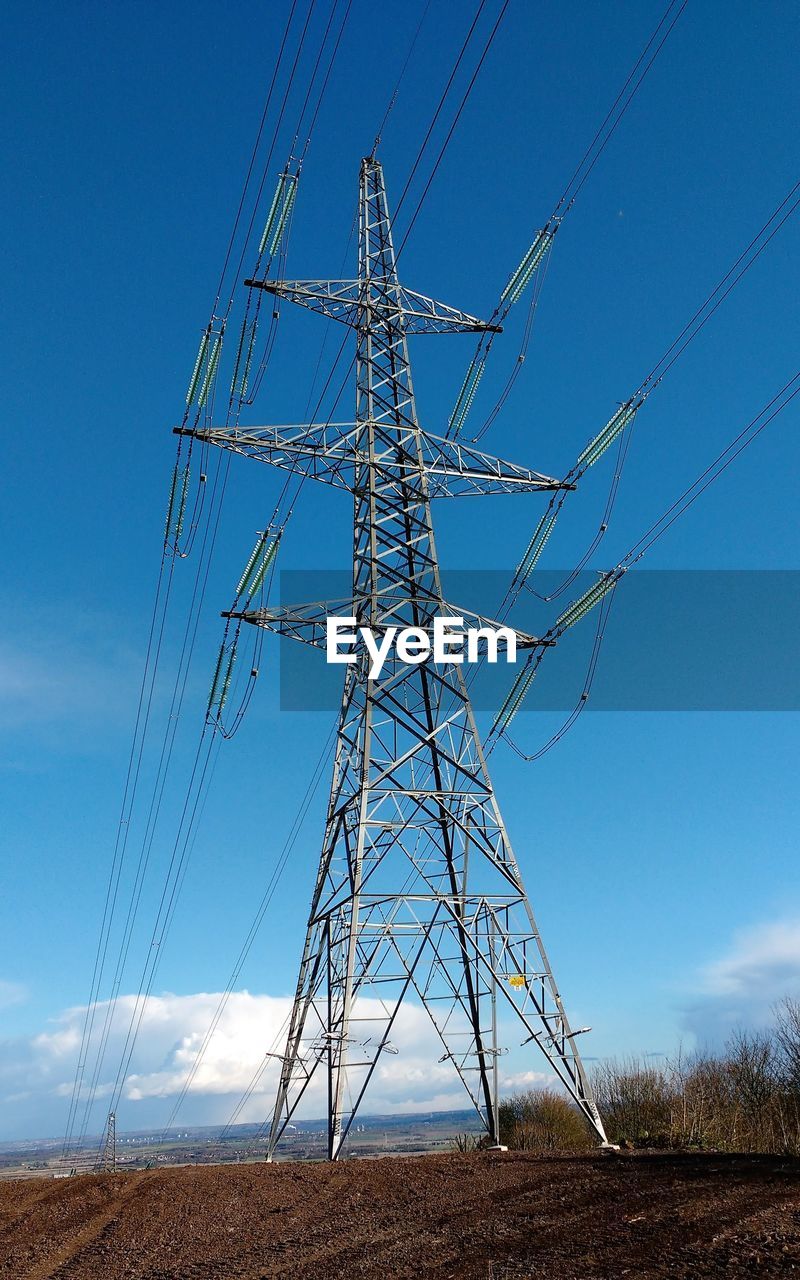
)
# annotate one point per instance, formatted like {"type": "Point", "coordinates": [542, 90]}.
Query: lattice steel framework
{"type": "Point", "coordinates": [418, 891]}
{"type": "Point", "coordinates": [108, 1160]}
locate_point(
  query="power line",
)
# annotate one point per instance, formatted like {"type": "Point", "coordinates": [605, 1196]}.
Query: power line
{"type": "Point", "coordinates": [191, 630]}
{"type": "Point", "coordinates": [440, 105]}
{"type": "Point", "coordinates": [714, 470]}
{"type": "Point", "coordinates": [437, 112]}
{"type": "Point", "coordinates": [256, 146]}
{"type": "Point", "coordinates": [464, 99]}
{"type": "Point", "coordinates": [690, 331]}
{"type": "Point", "coordinates": [780, 401]}
{"type": "Point", "coordinates": [275, 876]}
{"type": "Point", "coordinates": [393, 96]}
{"type": "Point", "coordinates": [566, 201]}
{"type": "Point", "coordinates": [569, 195]}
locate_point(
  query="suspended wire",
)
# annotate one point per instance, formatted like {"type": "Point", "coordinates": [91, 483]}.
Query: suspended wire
{"type": "Point", "coordinates": [159, 784]}
{"type": "Point", "coordinates": [617, 424]}
{"type": "Point", "coordinates": [594, 658]}
{"type": "Point", "coordinates": [178, 694]}
{"type": "Point", "coordinates": [545, 237]}
{"type": "Point", "coordinates": [126, 821]}
{"type": "Point", "coordinates": [163, 766]}
{"type": "Point", "coordinates": [440, 105]}
{"type": "Point", "coordinates": [262, 1067]}
{"type": "Point", "coordinates": [393, 96]}
{"type": "Point", "coordinates": [137, 887]}
{"type": "Point", "coordinates": [323, 90]}
{"type": "Point", "coordinates": [608, 511]}
{"type": "Point", "coordinates": [275, 876]}
{"type": "Point", "coordinates": [272, 145]}
{"type": "Point", "coordinates": [522, 355]}
{"type": "Point", "coordinates": [254, 584]}
{"type": "Point", "coordinates": [254, 154]}
{"type": "Point", "coordinates": [249, 395]}
{"type": "Point", "coordinates": [320, 98]}
{"type": "Point", "coordinates": [713, 471]}
{"type": "Point", "coordinates": [164, 911]}
{"type": "Point", "coordinates": [605, 606]}
{"type": "Point", "coordinates": [596, 146]}
{"type": "Point", "coordinates": [419, 205]}
{"type": "Point", "coordinates": [699, 320]}
{"type": "Point", "coordinates": [143, 710]}
{"type": "Point", "coordinates": [609, 581]}
{"type": "Point", "coordinates": [464, 99]}
{"type": "Point", "coordinates": [209, 383]}
{"type": "Point", "coordinates": [436, 166]}
{"type": "Point", "coordinates": [130, 793]}
{"type": "Point", "coordinates": [313, 75]}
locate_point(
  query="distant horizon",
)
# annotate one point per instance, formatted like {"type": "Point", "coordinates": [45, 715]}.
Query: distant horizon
{"type": "Point", "coordinates": [391, 1117]}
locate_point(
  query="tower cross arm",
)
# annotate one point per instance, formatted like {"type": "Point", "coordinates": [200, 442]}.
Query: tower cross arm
{"type": "Point", "coordinates": [320, 450]}
{"type": "Point", "coordinates": [458, 470]}
{"type": "Point", "coordinates": [329, 451]}
{"type": "Point", "coordinates": [426, 315]}
{"type": "Point", "coordinates": [309, 622]}
{"type": "Point", "coordinates": [337, 299]}
{"type": "Point", "coordinates": [353, 301]}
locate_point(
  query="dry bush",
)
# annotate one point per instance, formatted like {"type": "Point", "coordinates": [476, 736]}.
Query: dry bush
{"type": "Point", "coordinates": [787, 1043]}
{"type": "Point", "coordinates": [636, 1101]}
{"type": "Point", "coordinates": [746, 1098]}
{"type": "Point", "coordinates": [542, 1120]}
{"type": "Point", "coordinates": [466, 1142]}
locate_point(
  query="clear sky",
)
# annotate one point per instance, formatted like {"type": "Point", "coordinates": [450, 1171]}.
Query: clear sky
{"type": "Point", "coordinates": [659, 849]}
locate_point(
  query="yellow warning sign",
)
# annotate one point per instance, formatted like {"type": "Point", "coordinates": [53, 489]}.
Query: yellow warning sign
{"type": "Point", "coordinates": [516, 980]}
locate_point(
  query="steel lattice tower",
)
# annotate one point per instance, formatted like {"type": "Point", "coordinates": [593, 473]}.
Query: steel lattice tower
{"type": "Point", "coordinates": [108, 1160]}
{"type": "Point", "coordinates": [418, 891]}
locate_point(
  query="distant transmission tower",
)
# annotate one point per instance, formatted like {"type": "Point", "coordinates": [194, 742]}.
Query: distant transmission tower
{"type": "Point", "coordinates": [108, 1160]}
{"type": "Point", "coordinates": [418, 891]}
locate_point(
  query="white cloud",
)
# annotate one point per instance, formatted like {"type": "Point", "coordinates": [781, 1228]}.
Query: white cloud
{"type": "Point", "coordinates": [527, 1080]}
{"type": "Point", "coordinates": [36, 1075]}
{"type": "Point", "coordinates": [12, 993]}
{"type": "Point", "coordinates": [171, 1032]}
{"type": "Point", "coordinates": [740, 988]}
{"type": "Point", "coordinates": [761, 960]}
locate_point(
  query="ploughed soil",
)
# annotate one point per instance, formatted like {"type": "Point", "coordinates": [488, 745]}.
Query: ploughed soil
{"type": "Point", "coordinates": [500, 1215]}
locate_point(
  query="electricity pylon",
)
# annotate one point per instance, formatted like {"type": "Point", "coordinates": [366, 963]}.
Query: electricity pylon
{"type": "Point", "coordinates": [418, 891]}
{"type": "Point", "coordinates": [108, 1160]}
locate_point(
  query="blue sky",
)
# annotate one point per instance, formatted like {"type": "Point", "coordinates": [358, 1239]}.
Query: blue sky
{"type": "Point", "coordinates": [658, 848]}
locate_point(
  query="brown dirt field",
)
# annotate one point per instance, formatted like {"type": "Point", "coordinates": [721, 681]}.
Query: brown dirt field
{"type": "Point", "coordinates": [479, 1215]}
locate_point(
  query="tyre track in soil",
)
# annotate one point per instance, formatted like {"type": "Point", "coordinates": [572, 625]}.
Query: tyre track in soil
{"type": "Point", "coordinates": [584, 1218]}
{"type": "Point", "coordinates": [640, 1233]}
{"type": "Point", "coordinates": [11, 1217]}
{"type": "Point", "coordinates": [93, 1208]}
{"type": "Point", "coordinates": [580, 1245]}
{"type": "Point", "coordinates": [464, 1240]}
{"type": "Point", "coordinates": [156, 1245]}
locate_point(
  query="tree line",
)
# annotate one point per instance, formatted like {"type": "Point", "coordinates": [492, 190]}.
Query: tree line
{"type": "Point", "coordinates": [744, 1098]}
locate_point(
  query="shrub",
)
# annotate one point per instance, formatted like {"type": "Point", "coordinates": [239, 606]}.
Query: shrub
{"type": "Point", "coordinates": [746, 1098]}
{"type": "Point", "coordinates": [636, 1102]}
{"type": "Point", "coordinates": [542, 1120]}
